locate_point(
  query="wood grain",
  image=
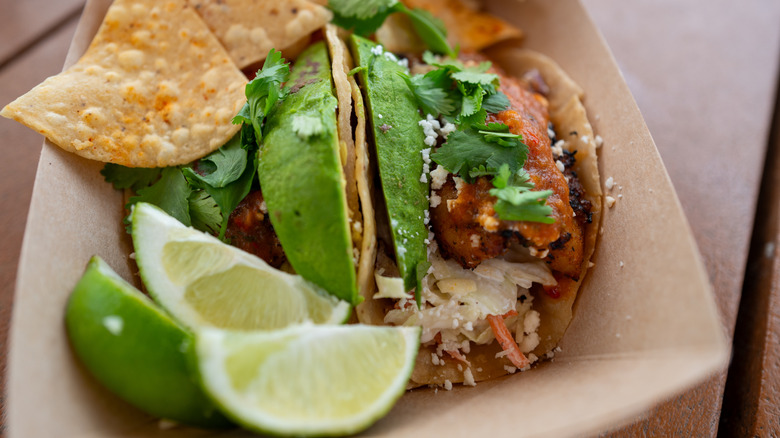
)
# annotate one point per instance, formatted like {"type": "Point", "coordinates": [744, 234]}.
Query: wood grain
{"type": "Point", "coordinates": [24, 23]}
{"type": "Point", "coordinates": [751, 404]}
{"type": "Point", "coordinates": [700, 72]}
{"type": "Point", "coordinates": [20, 148]}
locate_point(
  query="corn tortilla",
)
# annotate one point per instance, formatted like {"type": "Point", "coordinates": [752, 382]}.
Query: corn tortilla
{"type": "Point", "coordinates": [249, 29]}
{"type": "Point", "coordinates": [155, 88]}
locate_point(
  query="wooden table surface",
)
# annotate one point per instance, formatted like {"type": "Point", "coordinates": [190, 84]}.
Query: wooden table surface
{"type": "Point", "coordinates": [705, 75]}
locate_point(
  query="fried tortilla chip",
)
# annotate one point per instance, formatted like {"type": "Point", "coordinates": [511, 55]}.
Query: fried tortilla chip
{"type": "Point", "coordinates": [155, 88]}
{"type": "Point", "coordinates": [250, 28]}
{"type": "Point", "coordinates": [466, 26]}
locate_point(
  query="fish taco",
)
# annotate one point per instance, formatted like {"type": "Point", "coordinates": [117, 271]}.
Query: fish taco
{"type": "Point", "coordinates": [491, 197]}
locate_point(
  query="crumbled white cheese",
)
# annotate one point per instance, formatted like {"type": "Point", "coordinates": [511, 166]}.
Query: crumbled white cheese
{"type": "Point", "coordinates": [501, 354]}
{"type": "Point", "coordinates": [377, 50]}
{"type": "Point", "coordinates": [447, 129]}
{"type": "Point", "coordinates": [621, 264]}
{"type": "Point", "coordinates": [531, 322]}
{"type": "Point", "coordinates": [474, 241]}
{"type": "Point", "coordinates": [468, 378]}
{"type": "Point", "coordinates": [510, 369]}
{"type": "Point", "coordinates": [609, 183]}
{"type": "Point", "coordinates": [404, 63]}
{"type": "Point", "coordinates": [448, 385]}
{"type": "Point", "coordinates": [438, 177]}
{"type": "Point", "coordinates": [610, 201]}
{"type": "Point", "coordinates": [380, 116]}
{"type": "Point", "coordinates": [389, 287]}
{"type": "Point", "coordinates": [599, 141]}
{"type": "Point", "coordinates": [560, 165]}
{"type": "Point", "coordinates": [550, 132]}
{"type": "Point", "coordinates": [434, 359]}
{"type": "Point", "coordinates": [585, 139]}
{"type": "Point", "coordinates": [391, 57]}
{"type": "Point", "coordinates": [435, 200]}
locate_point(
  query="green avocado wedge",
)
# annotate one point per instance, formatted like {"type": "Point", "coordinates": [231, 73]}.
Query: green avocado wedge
{"type": "Point", "coordinates": [302, 179]}
{"type": "Point", "coordinates": [135, 349]}
{"type": "Point", "coordinates": [399, 140]}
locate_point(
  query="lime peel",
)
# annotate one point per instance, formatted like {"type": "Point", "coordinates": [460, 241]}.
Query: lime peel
{"type": "Point", "coordinates": [135, 349]}
{"type": "Point", "coordinates": [203, 282]}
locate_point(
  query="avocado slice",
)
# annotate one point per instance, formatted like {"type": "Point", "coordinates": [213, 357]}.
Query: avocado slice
{"type": "Point", "coordinates": [394, 118]}
{"type": "Point", "coordinates": [301, 177]}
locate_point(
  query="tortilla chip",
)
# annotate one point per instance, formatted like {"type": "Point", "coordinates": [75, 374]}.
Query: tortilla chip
{"type": "Point", "coordinates": [155, 88]}
{"type": "Point", "coordinates": [466, 26]}
{"type": "Point", "coordinates": [249, 29]}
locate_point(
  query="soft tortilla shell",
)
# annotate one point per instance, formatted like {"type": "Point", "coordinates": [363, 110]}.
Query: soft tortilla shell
{"type": "Point", "coordinates": [155, 88]}
{"type": "Point", "coordinates": [249, 29]}
{"type": "Point", "coordinates": [355, 160]}
{"type": "Point", "coordinates": [568, 115]}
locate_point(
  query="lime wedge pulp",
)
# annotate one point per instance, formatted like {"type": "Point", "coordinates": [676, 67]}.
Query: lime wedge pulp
{"type": "Point", "coordinates": [135, 349]}
{"type": "Point", "coordinates": [307, 380]}
{"type": "Point", "coordinates": [204, 282]}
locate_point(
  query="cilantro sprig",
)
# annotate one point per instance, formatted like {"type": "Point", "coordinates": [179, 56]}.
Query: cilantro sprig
{"type": "Point", "coordinates": [204, 193]}
{"type": "Point", "coordinates": [466, 94]}
{"type": "Point", "coordinates": [458, 92]}
{"type": "Point", "coordinates": [364, 17]}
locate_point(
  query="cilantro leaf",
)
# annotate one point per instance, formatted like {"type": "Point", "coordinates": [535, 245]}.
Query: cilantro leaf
{"type": "Point", "coordinates": [228, 197]}
{"type": "Point", "coordinates": [364, 17]}
{"type": "Point", "coordinates": [433, 92]}
{"type": "Point", "coordinates": [171, 193]}
{"type": "Point", "coordinates": [224, 165]}
{"type": "Point", "coordinates": [467, 150]}
{"type": "Point", "coordinates": [263, 92]}
{"type": "Point", "coordinates": [495, 103]}
{"type": "Point", "coordinates": [134, 178]}
{"type": "Point", "coordinates": [305, 126]}
{"type": "Point", "coordinates": [204, 212]}
{"type": "Point", "coordinates": [516, 201]}
{"type": "Point", "coordinates": [493, 127]}
{"type": "Point", "coordinates": [505, 177]}
{"type": "Point", "coordinates": [472, 102]}
{"type": "Point", "coordinates": [478, 118]}
{"type": "Point", "coordinates": [430, 29]}
{"type": "Point", "coordinates": [475, 77]}
{"type": "Point", "coordinates": [483, 171]}
{"type": "Point", "coordinates": [520, 204]}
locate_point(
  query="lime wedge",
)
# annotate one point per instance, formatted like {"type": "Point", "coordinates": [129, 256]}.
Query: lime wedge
{"type": "Point", "coordinates": [206, 283]}
{"type": "Point", "coordinates": [135, 349]}
{"type": "Point", "coordinates": [307, 379]}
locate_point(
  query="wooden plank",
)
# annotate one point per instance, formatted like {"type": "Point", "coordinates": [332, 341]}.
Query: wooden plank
{"type": "Point", "coordinates": [20, 148]}
{"type": "Point", "coordinates": [22, 23]}
{"type": "Point", "coordinates": [702, 73]}
{"type": "Point", "coordinates": [751, 405]}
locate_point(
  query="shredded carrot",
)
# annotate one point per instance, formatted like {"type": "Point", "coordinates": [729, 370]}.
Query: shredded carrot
{"type": "Point", "coordinates": [457, 355]}
{"type": "Point", "coordinates": [512, 312]}
{"type": "Point", "coordinates": [507, 342]}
